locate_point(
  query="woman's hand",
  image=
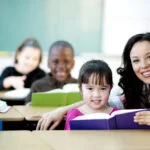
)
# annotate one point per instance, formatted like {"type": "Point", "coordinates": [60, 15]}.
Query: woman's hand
{"type": "Point", "coordinates": [51, 120]}
{"type": "Point", "coordinates": [142, 118]}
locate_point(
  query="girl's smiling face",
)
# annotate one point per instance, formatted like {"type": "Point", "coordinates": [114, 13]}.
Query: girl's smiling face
{"type": "Point", "coordinates": [95, 95]}
{"type": "Point", "coordinates": [28, 59]}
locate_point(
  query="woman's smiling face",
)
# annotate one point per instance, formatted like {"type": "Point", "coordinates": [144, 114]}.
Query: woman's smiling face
{"type": "Point", "coordinates": [140, 60]}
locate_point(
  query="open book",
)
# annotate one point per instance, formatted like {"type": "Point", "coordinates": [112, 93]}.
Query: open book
{"type": "Point", "coordinates": [4, 107]}
{"type": "Point", "coordinates": [121, 119]}
{"type": "Point", "coordinates": [16, 94]}
{"type": "Point", "coordinates": [58, 97]}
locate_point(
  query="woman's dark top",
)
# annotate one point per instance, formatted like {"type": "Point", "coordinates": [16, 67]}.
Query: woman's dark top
{"type": "Point", "coordinates": [31, 77]}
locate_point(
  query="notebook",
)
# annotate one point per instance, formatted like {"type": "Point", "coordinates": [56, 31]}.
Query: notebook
{"type": "Point", "coordinates": [58, 97]}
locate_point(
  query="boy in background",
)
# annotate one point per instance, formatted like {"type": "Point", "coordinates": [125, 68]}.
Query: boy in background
{"type": "Point", "coordinates": [60, 63]}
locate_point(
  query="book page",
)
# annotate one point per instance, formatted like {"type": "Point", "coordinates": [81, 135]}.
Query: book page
{"type": "Point", "coordinates": [104, 115]}
{"type": "Point", "coordinates": [17, 94]}
{"type": "Point", "coordinates": [124, 111]}
{"type": "Point", "coordinates": [4, 107]}
{"type": "Point", "coordinates": [93, 116]}
{"type": "Point", "coordinates": [70, 87]}
{"type": "Point", "coordinates": [54, 91]}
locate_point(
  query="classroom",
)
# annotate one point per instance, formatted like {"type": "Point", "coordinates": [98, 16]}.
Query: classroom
{"type": "Point", "coordinates": [92, 30]}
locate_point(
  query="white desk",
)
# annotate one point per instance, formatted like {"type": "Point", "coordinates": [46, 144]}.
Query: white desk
{"type": "Point", "coordinates": [33, 113]}
{"type": "Point", "coordinates": [11, 115]}
{"type": "Point", "coordinates": [21, 140]}
{"type": "Point", "coordinates": [96, 140]}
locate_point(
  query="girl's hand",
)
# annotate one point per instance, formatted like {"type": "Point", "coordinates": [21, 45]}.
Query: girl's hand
{"type": "Point", "coordinates": [51, 120]}
{"type": "Point", "coordinates": [14, 81]}
{"type": "Point", "coordinates": [142, 118]}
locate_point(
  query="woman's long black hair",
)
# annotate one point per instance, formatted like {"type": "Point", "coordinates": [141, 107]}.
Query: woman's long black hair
{"type": "Point", "coordinates": [132, 86]}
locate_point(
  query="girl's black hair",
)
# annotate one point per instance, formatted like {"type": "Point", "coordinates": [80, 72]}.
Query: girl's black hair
{"type": "Point", "coordinates": [29, 42]}
{"type": "Point", "coordinates": [98, 69]}
{"type": "Point", "coordinates": [132, 86]}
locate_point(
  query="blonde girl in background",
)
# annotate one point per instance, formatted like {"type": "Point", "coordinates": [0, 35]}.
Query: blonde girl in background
{"type": "Point", "coordinates": [26, 66]}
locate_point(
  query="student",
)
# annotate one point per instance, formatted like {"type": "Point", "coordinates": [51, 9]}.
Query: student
{"type": "Point", "coordinates": [135, 82]}
{"type": "Point", "coordinates": [95, 83]}
{"type": "Point", "coordinates": [26, 67]}
{"type": "Point", "coordinates": [60, 63]}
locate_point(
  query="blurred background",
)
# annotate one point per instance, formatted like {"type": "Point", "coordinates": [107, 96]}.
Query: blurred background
{"type": "Point", "coordinates": [97, 29]}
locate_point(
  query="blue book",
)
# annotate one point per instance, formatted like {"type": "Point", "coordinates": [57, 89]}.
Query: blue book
{"type": "Point", "coordinates": [1, 125]}
{"type": "Point", "coordinates": [121, 119]}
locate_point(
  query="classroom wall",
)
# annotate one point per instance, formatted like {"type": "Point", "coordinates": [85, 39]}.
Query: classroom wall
{"type": "Point", "coordinates": [92, 26]}
{"type": "Point", "coordinates": [123, 19]}
{"type": "Point", "coordinates": [77, 21]}
{"type": "Point", "coordinates": [120, 20]}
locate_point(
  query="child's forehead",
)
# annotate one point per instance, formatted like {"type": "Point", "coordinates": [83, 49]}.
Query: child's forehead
{"type": "Point", "coordinates": [29, 50]}
{"type": "Point", "coordinates": [60, 50]}
{"type": "Point", "coordinates": [93, 85]}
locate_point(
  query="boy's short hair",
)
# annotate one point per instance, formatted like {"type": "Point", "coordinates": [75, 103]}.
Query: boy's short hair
{"type": "Point", "coordinates": [61, 43]}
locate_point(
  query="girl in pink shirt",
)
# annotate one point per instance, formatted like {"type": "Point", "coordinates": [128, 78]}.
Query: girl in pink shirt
{"type": "Point", "coordinates": [95, 84]}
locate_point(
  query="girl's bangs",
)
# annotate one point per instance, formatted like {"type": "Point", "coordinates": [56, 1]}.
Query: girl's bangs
{"type": "Point", "coordinates": [97, 79]}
